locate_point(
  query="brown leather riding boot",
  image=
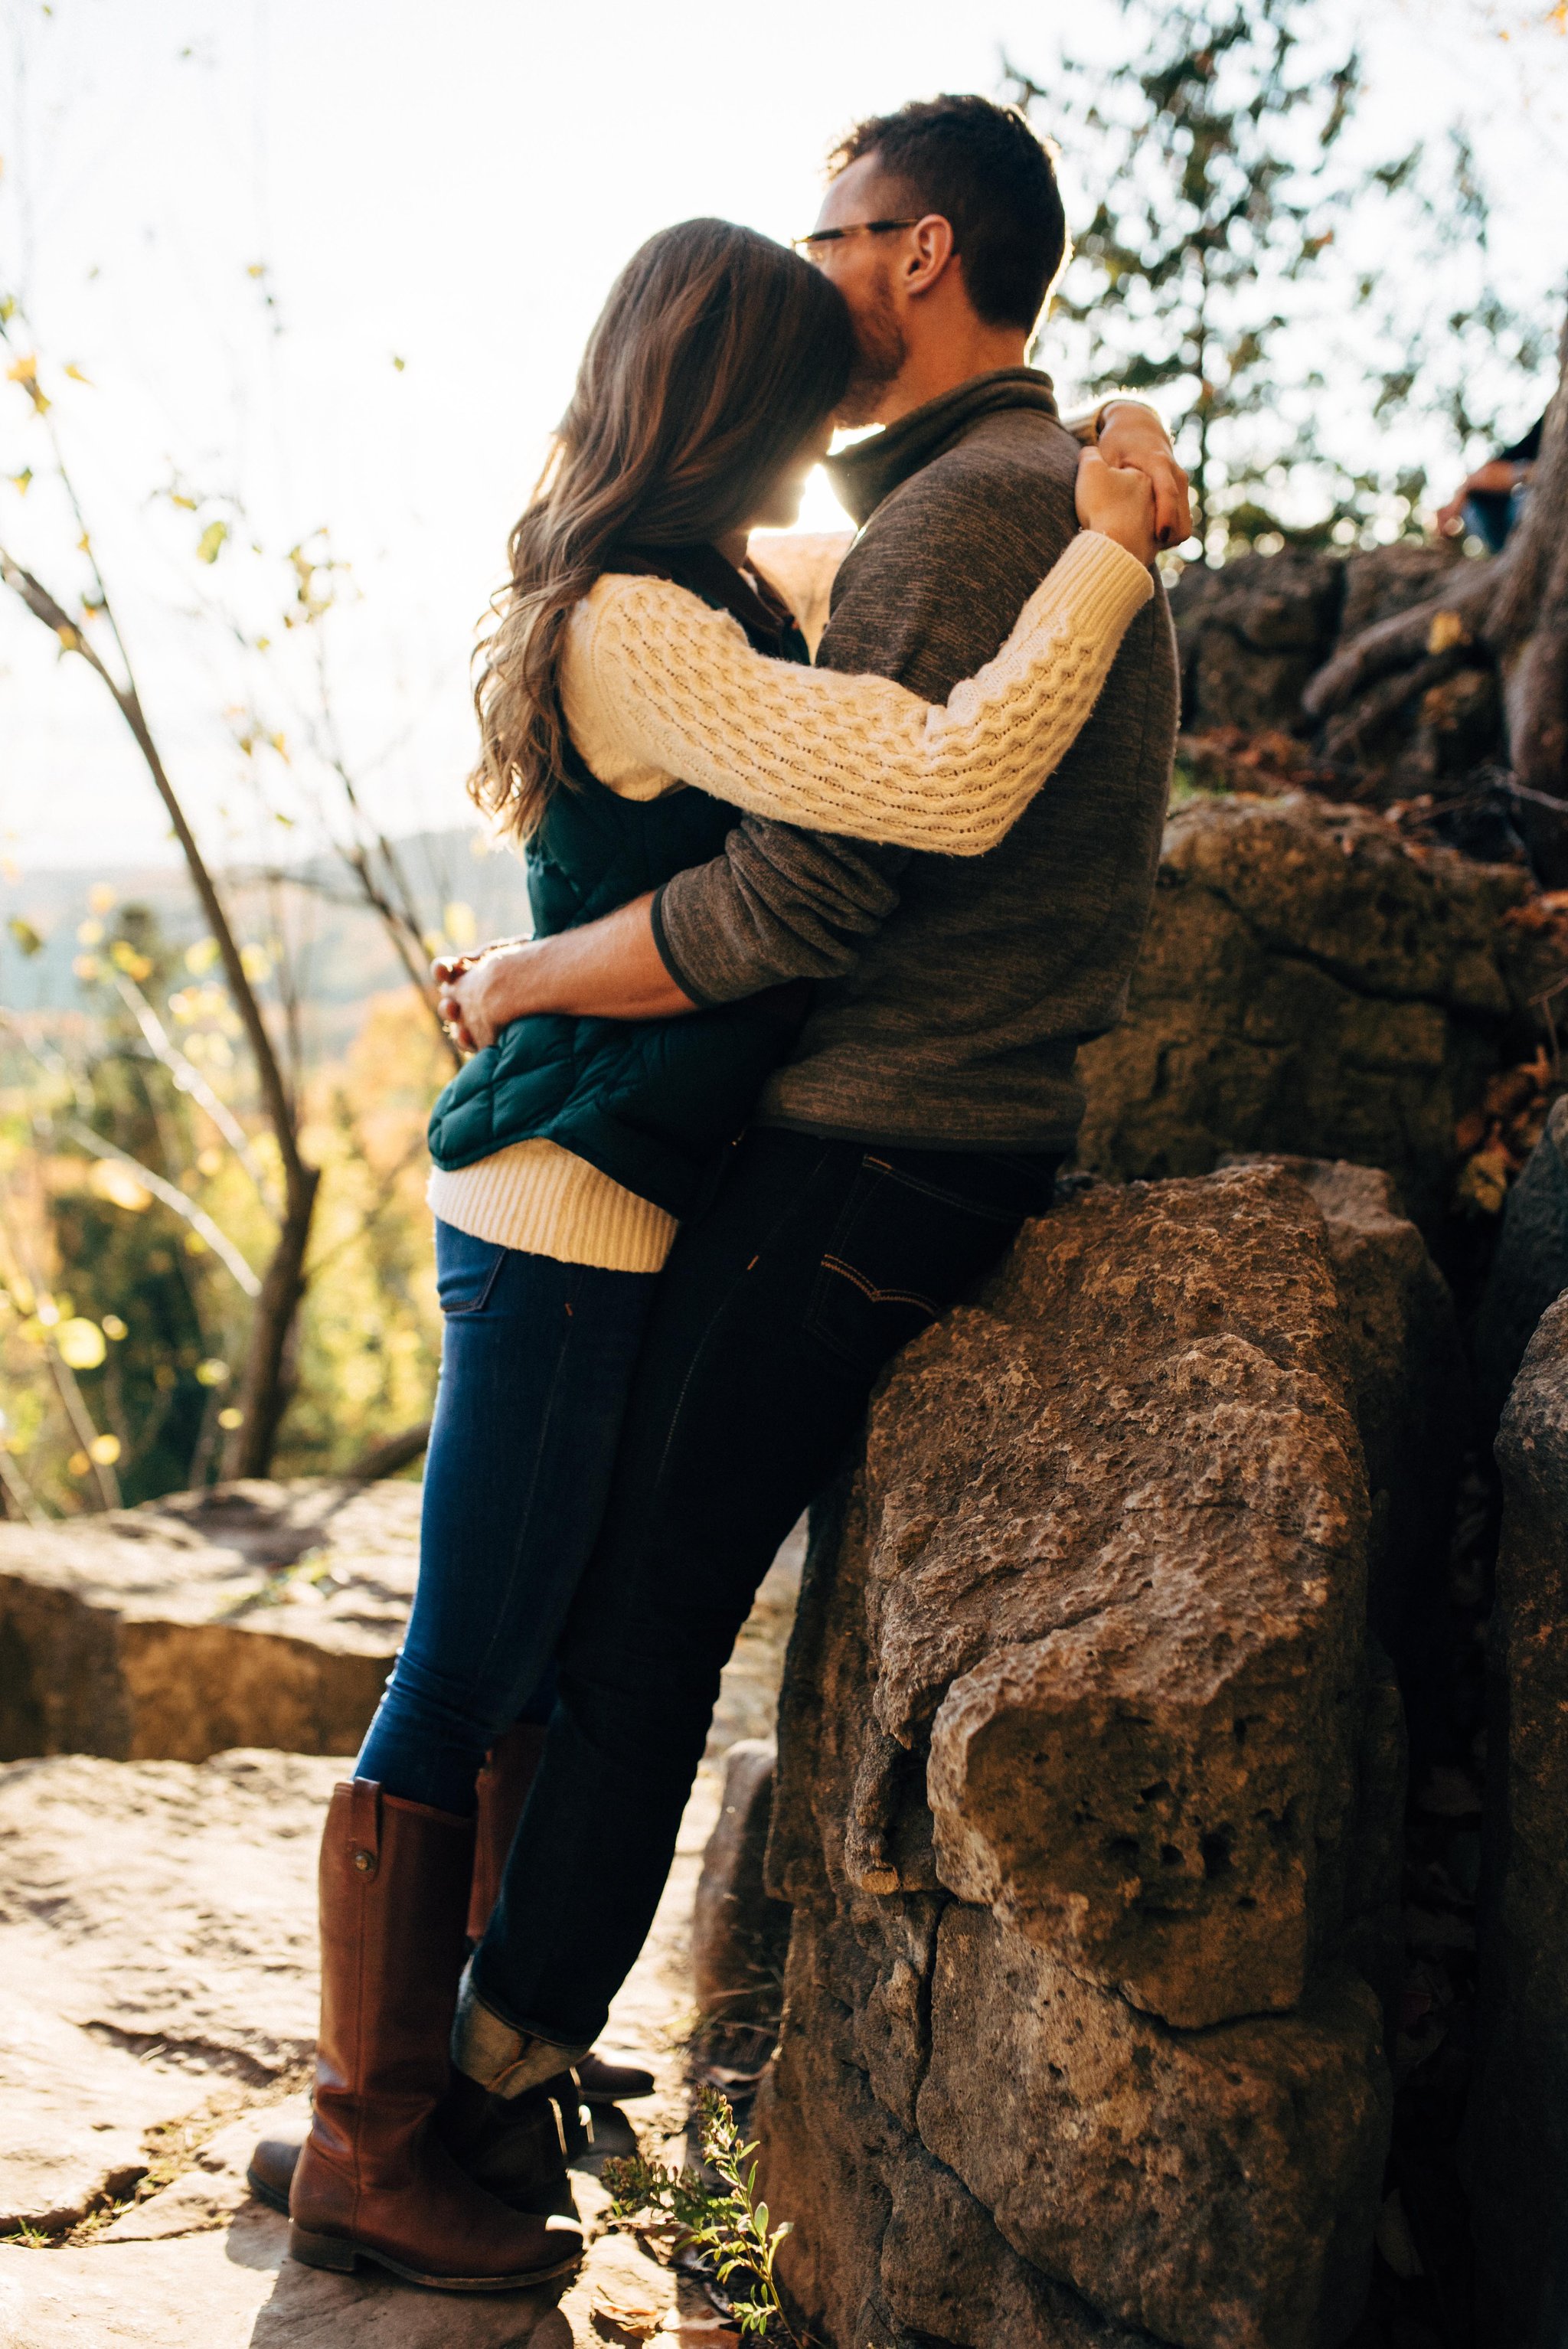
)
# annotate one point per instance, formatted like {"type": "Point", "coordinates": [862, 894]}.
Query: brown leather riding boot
{"type": "Point", "coordinates": [509, 1771]}
{"type": "Point", "coordinates": [373, 2180]}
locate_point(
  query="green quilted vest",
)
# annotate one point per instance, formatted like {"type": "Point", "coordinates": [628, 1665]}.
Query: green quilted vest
{"type": "Point", "coordinates": [650, 1103]}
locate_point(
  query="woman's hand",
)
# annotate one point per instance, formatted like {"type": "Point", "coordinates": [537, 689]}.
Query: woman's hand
{"type": "Point", "coordinates": [478, 994]}
{"type": "Point", "coordinates": [1130, 434]}
{"type": "Point", "coordinates": [1116, 501]}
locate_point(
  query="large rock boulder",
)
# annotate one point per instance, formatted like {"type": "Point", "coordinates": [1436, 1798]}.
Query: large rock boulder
{"type": "Point", "coordinates": [1518, 2111]}
{"type": "Point", "coordinates": [258, 1614]}
{"type": "Point", "coordinates": [1311, 982]}
{"type": "Point", "coordinates": [1092, 1778]}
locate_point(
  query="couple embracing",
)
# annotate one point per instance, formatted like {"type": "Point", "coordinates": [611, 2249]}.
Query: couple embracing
{"type": "Point", "coordinates": [786, 1063]}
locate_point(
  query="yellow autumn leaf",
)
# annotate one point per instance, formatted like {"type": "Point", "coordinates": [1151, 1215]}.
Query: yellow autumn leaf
{"type": "Point", "coordinates": [23, 482]}
{"type": "Point", "coordinates": [109, 1180]}
{"type": "Point", "coordinates": [210, 544]}
{"type": "Point", "coordinates": [123, 957]}
{"type": "Point", "coordinates": [1447, 631]}
{"type": "Point", "coordinates": [81, 1343]}
{"type": "Point", "coordinates": [24, 370]}
{"type": "Point", "coordinates": [77, 376]}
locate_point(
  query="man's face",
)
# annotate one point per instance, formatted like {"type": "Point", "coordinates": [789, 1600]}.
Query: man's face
{"type": "Point", "coordinates": [864, 270]}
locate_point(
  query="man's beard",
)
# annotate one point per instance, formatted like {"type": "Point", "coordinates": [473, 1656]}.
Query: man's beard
{"type": "Point", "coordinates": [880, 350]}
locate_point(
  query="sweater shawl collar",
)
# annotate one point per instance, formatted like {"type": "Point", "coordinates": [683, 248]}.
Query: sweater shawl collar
{"type": "Point", "coordinates": [870, 469]}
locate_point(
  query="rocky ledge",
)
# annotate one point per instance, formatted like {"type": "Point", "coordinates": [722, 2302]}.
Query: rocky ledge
{"type": "Point", "coordinates": [1091, 1783]}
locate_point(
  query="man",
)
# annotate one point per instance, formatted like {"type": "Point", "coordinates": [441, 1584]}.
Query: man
{"type": "Point", "coordinates": [932, 1095]}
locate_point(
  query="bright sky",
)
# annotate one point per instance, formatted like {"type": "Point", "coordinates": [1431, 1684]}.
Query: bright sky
{"type": "Point", "coordinates": [453, 187]}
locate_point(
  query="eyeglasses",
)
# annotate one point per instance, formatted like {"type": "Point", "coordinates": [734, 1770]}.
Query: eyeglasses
{"type": "Point", "coordinates": [808, 243]}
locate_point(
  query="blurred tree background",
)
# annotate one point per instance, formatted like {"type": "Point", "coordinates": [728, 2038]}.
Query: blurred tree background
{"type": "Point", "coordinates": [214, 1254]}
{"type": "Point", "coordinates": [1291, 295]}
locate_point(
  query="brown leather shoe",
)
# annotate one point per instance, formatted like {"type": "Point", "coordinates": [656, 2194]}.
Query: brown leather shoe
{"type": "Point", "coordinates": [509, 1771]}
{"type": "Point", "coordinates": [600, 2082]}
{"type": "Point", "coordinates": [516, 2150]}
{"type": "Point", "coordinates": [374, 2180]}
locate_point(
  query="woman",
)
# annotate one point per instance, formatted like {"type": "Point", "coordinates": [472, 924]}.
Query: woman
{"type": "Point", "coordinates": [632, 649]}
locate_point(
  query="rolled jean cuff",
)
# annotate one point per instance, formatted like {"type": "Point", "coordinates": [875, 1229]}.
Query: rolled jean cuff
{"type": "Point", "coordinates": [506, 2058]}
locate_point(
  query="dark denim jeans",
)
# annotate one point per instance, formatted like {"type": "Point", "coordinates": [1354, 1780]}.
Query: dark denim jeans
{"type": "Point", "coordinates": [536, 1363]}
{"type": "Point", "coordinates": [816, 1262]}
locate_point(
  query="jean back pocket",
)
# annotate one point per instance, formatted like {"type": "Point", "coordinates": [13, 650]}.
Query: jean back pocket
{"type": "Point", "coordinates": [903, 1250]}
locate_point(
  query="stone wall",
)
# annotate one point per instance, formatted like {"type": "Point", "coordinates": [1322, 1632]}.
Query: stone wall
{"type": "Point", "coordinates": [1311, 982]}
{"type": "Point", "coordinates": [1091, 1788]}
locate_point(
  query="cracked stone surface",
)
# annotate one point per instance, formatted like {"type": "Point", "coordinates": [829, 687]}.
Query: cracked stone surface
{"type": "Point", "coordinates": [1311, 983]}
{"type": "Point", "coordinates": [1091, 1778]}
{"type": "Point", "coordinates": [158, 1958]}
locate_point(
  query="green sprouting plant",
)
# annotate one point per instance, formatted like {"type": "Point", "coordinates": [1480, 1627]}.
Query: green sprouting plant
{"type": "Point", "coordinates": [31, 2238]}
{"type": "Point", "coordinates": [725, 2223]}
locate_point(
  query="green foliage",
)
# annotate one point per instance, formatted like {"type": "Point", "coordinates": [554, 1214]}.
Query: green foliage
{"type": "Point", "coordinates": [1294, 300]}
{"type": "Point", "coordinates": [722, 2223]}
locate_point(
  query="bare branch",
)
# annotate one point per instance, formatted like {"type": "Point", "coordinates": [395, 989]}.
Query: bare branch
{"type": "Point", "coordinates": [189, 1080]}
{"type": "Point", "coordinates": [223, 1247]}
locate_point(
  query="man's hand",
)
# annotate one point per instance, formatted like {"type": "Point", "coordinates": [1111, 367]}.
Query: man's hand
{"type": "Point", "coordinates": [479, 995]}
{"type": "Point", "coordinates": [608, 969]}
{"type": "Point", "coordinates": [1133, 436]}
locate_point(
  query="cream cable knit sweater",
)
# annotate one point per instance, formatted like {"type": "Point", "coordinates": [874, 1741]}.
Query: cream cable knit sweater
{"type": "Point", "coordinates": [658, 686]}
{"type": "Point", "coordinates": [659, 689]}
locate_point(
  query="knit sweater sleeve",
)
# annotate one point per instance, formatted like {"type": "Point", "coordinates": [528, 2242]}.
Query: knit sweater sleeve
{"type": "Point", "coordinates": [655, 680]}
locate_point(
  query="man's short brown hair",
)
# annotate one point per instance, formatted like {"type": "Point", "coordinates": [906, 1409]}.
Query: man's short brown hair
{"type": "Point", "coordinates": [982, 169]}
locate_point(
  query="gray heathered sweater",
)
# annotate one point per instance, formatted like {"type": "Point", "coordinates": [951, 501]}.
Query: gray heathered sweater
{"type": "Point", "coordinates": [953, 991]}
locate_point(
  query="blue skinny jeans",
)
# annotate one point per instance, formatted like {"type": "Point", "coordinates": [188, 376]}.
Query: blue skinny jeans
{"type": "Point", "coordinates": [536, 1365]}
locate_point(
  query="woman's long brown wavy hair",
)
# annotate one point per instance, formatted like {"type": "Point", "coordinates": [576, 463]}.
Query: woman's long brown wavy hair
{"type": "Point", "coordinates": [716, 355]}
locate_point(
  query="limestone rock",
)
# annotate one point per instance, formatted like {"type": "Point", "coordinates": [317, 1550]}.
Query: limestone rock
{"type": "Point", "coordinates": [1388, 579]}
{"type": "Point", "coordinates": [1150, 1608]}
{"type": "Point", "coordinates": [1530, 1269]}
{"type": "Point", "coordinates": [890, 2246]}
{"type": "Point", "coordinates": [159, 1945]}
{"type": "Point", "coordinates": [1414, 1412]}
{"type": "Point", "coordinates": [1218, 2187]}
{"type": "Point", "coordinates": [1092, 1778]}
{"type": "Point", "coordinates": [158, 1953]}
{"type": "Point", "coordinates": [1310, 983]}
{"type": "Point", "coordinates": [738, 1934]}
{"type": "Point", "coordinates": [1251, 634]}
{"type": "Point", "coordinates": [1519, 2140]}
{"type": "Point", "coordinates": [258, 1615]}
